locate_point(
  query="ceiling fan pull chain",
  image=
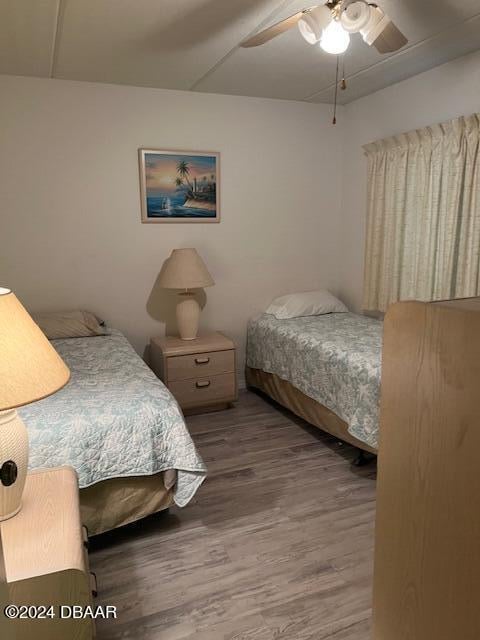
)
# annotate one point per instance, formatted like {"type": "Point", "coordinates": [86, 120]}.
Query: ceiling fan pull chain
{"type": "Point", "coordinates": [343, 84]}
{"type": "Point", "coordinates": [336, 93]}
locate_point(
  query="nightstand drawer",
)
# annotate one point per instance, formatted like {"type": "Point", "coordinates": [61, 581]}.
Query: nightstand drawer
{"type": "Point", "coordinates": [204, 391]}
{"type": "Point", "coordinates": [200, 364]}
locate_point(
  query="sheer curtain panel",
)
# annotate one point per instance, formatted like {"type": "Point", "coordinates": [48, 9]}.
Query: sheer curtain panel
{"type": "Point", "coordinates": [423, 215]}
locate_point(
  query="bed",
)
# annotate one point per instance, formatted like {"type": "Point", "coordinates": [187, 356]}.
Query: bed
{"type": "Point", "coordinates": [120, 428]}
{"type": "Point", "coordinates": [324, 368]}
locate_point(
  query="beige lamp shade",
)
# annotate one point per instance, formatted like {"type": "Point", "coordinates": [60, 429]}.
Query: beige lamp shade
{"type": "Point", "coordinates": [30, 368]}
{"type": "Point", "coordinates": [185, 269]}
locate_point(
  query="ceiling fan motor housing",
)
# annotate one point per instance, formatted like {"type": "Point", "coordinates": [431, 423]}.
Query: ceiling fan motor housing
{"type": "Point", "coordinates": [312, 23]}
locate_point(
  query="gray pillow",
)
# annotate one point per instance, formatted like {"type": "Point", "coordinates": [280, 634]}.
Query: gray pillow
{"type": "Point", "coordinates": [70, 324]}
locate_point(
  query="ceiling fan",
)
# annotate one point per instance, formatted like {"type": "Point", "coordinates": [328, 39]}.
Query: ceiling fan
{"type": "Point", "coordinates": [332, 23]}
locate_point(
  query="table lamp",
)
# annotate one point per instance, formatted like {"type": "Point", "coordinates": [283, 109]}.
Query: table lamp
{"type": "Point", "coordinates": [30, 369]}
{"type": "Point", "coordinates": [185, 269]}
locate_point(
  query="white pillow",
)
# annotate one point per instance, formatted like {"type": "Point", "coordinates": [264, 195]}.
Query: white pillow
{"type": "Point", "coordinates": [308, 303]}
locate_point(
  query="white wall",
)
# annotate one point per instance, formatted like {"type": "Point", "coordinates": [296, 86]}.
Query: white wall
{"type": "Point", "coordinates": [70, 208]}
{"type": "Point", "coordinates": [445, 92]}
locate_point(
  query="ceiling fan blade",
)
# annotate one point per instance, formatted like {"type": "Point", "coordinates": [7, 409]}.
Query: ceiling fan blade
{"type": "Point", "coordinates": [273, 31]}
{"type": "Point", "coordinates": [391, 39]}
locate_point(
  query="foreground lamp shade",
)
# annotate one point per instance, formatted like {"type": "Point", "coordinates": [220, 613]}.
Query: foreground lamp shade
{"type": "Point", "coordinates": [186, 270]}
{"type": "Point", "coordinates": [30, 369]}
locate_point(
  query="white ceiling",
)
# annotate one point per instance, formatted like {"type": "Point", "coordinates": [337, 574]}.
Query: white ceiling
{"type": "Point", "coordinates": [193, 45]}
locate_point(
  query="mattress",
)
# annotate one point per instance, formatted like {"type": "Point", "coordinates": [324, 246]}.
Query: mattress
{"type": "Point", "coordinates": [334, 359]}
{"type": "Point", "coordinates": [113, 419]}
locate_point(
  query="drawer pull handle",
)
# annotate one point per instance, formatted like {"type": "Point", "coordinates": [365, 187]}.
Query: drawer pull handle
{"type": "Point", "coordinates": [202, 385]}
{"type": "Point", "coordinates": [93, 584]}
{"type": "Point", "coordinates": [202, 360]}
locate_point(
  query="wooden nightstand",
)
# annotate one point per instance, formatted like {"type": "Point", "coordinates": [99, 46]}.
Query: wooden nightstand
{"type": "Point", "coordinates": [200, 373]}
{"type": "Point", "coordinates": [46, 562]}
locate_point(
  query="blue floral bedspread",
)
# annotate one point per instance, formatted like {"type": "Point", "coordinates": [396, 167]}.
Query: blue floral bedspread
{"type": "Point", "coordinates": [113, 419]}
{"type": "Point", "coordinates": [334, 359]}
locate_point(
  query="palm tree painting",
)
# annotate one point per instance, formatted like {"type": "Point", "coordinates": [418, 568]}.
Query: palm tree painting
{"type": "Point", "coordinates": [179, 186]}
{"type": "Point", "coordinates": [183, 170]}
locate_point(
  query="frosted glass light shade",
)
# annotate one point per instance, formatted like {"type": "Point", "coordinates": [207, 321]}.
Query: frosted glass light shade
{"type": "Point", "coordinates": [30, 368]}
{"type": "Point", "coordinates": [185, 269]}
{"type": "Point", "coordinates": [313, 22]}
{"type": "Point", "coordinates": [356, 16]}
{"type": "Point", "coordinates": [334, 38]}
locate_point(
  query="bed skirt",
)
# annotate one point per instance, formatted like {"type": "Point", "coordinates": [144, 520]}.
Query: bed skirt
{"type": "Point", "coordinates": [310, 410]}
{"type": "Point", "coordinates": [113, 503]}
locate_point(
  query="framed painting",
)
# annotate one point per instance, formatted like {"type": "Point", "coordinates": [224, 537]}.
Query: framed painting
{"type": "Point", "coordinates": [179, 186]}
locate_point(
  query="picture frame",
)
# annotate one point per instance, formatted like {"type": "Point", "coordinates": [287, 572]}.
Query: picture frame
{"type": "Point", "coordinates": [179, 186]}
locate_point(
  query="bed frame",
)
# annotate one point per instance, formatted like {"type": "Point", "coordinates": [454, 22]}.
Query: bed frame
{"type": "Point", "coordinates": [113, 503]}
{"type": "Point", "coordinates": [307, 408]}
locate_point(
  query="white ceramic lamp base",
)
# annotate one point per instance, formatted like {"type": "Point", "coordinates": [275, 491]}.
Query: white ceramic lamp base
{"type": "Point", "coordinates": [13, 463]}
{"type": "Point", "coordinates": [188, 314]}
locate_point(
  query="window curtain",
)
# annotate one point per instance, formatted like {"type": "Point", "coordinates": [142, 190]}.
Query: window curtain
{"type": "Point", "coordinates": [423, 215]}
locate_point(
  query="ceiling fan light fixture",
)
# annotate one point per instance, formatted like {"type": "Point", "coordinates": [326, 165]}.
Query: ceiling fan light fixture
{"type": "Point", "coordinates": [313, 22]}
{"type": "Point", "coordinates": [331, 24]}
{"type": "Point", "coordinates": [335, 39]}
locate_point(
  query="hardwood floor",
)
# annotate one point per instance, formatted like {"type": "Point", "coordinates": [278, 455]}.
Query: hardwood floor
{"type": "Point", "coordinates": [278, 542]}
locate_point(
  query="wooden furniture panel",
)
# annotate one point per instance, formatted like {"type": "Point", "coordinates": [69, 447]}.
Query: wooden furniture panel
{"type": "Point", "coordinates": [32, 539]}
{"type": "Point", "coordinates": [427, 556]}
{"type": "Point", "coordinates": [174, 346]}
{"type": "Point", "coordinates": [45, 556]}
{"type": "Point", "coordinates": [210, 363]}
{"type": "Point", "coordinates": [200, 373]}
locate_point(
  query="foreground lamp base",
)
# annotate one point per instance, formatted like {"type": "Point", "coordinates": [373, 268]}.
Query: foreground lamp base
{"type": "Point", "coordinates": [188, 314]}
{"type": "Point", "coordinates": [13, 463]}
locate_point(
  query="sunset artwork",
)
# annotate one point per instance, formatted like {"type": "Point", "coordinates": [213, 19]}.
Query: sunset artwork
{"type": "Point", "coordinates": [179, 186]}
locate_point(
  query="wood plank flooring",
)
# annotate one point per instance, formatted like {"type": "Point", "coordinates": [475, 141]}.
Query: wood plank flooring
{"type": "Point", "coordinates": [278, 542]}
